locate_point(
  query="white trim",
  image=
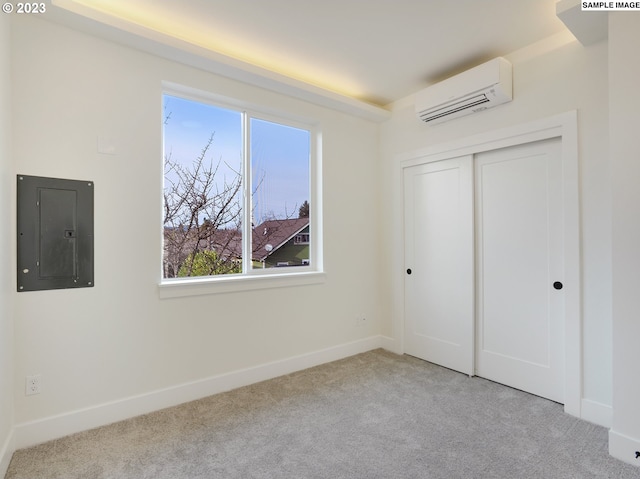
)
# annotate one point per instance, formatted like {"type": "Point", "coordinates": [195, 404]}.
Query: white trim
{"type": "Point", "coordinates": [103, 25]}
{"type": "Point", "coordinates": [53, 427]}
{"type": "Point", "coordinates": [565, 127]}
{"type": "Point", "coordinates": [624, 447]}
{"type": "Point", "coordinates": [597, 413]}
{"type": "Point", "coordinates": [179, 287]}
{"type": "Point", "coordinates": [391, 344]}
{"type": "Point", "coordinates": [552, 127]}
{"type": "Point", "coordinates": [246, 281]}
{"type": "Point", "coordinates": [8, 448]}
{"type": "Point", "coordinates": [256, 110]}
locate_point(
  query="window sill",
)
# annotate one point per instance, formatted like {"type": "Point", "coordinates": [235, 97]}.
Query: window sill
{"type": "Point", "coordinates": [178, 288]}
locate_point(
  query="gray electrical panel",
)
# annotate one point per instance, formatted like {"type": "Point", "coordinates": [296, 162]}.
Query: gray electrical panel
{"type": "Point", "coordinates": [55, 233]}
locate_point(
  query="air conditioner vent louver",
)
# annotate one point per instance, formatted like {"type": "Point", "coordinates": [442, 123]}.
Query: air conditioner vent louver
{"type": "Point", "coordinates": [488, 84]}
{"type": "Point", "coordinates": [454, 107]}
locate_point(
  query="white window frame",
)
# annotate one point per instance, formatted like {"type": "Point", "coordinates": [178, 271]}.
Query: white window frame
{"type": "Point", "coordinates": [254, 278]}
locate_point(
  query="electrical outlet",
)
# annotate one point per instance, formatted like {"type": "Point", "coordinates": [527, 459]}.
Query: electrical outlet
{"type": "Point", "coordinates": [361, 320]}
{"type": "Point", "coordinates": [33, 385]}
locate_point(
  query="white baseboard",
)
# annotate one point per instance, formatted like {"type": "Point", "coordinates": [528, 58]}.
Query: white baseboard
{"type": "Point", "coordinates": [8, 448]}
{"type": "Point", "coordinates": [53, 427]}
{"type": "Point", "coordinates": [624, 447]}
{"type": "Point", "coordinates": [391, 344]}
{"type": "Point", "coordinates": [596, 412]}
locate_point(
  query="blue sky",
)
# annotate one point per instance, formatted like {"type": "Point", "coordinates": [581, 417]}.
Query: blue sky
{"type": "Point", "coordinates": [279, 153]}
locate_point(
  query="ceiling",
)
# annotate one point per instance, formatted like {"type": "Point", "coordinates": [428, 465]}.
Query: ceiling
{"type": "Point", "coordinates": [377, 51]}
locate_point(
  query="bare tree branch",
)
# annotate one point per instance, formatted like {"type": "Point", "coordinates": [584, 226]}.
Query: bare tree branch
{"type": "Point", "coordinates": [202, 212]}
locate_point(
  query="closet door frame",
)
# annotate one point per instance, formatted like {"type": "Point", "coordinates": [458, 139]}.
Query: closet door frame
{"type": "Point", "coordinates": [564, 127]}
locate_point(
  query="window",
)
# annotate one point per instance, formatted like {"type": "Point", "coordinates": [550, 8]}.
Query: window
{"type": "Point", "coordinates": [237, 192]}
{"type": "Point", "coordinates": [301, 239]}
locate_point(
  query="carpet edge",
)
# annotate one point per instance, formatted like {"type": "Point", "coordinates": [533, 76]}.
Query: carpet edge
{"type": "Point", "coordinates": [53, 427]}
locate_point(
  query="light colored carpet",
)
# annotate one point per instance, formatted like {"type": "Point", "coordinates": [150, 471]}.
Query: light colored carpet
{"type": "Point", "coordinates": [375, 415]}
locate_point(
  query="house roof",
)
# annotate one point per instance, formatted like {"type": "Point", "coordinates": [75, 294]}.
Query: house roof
{"type": "Point", "coordinates": [275, 233]}
{"type": "Point", "coordinates": [228, 242]}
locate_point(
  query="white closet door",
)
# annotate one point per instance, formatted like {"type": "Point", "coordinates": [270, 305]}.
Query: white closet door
{"type": "Point", "coordinates": [519, 261]}
{"type": "Point", "coordinates": [439, 274]}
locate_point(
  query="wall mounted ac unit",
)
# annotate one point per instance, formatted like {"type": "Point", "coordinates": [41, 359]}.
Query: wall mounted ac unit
{"type": "Point", "coordinates": [477, 89]}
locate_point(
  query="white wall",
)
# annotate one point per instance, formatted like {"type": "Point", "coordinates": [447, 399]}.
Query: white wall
{"type": "Point", "coordinates": [116, 341]}
{"type": "Point", "coordinates": [624, 71]}
{"type": "Point", "coordinates": [551, 77]}
{"type": "Point", "coordinates": [7, 286]}
{"type": "Point", "coordinates": [105, 344]}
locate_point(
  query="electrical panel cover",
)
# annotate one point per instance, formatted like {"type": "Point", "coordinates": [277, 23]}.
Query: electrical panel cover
{"type": "Point", "coordinates": [55, 233]}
